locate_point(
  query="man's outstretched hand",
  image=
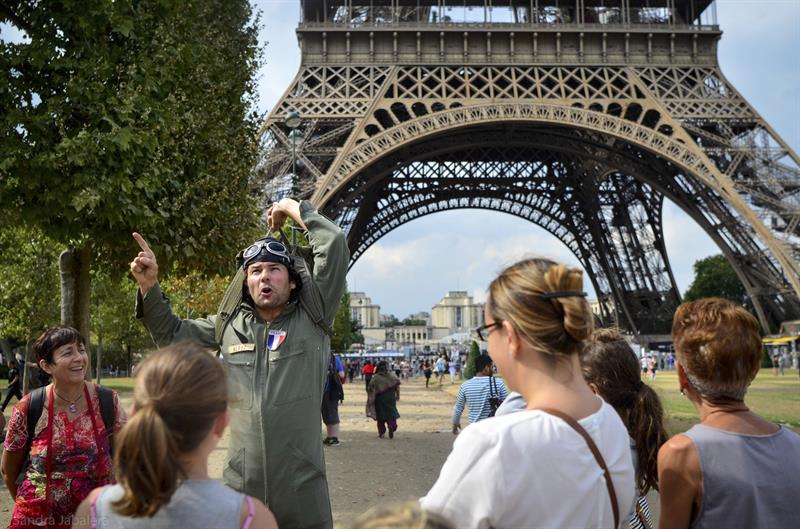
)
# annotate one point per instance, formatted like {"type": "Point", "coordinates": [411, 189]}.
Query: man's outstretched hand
{"type": "Point", "coordinates": [144, 266]}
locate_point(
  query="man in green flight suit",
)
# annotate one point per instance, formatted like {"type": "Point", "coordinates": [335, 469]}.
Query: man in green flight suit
{"type": "Point", "coordinates": [275, 347]}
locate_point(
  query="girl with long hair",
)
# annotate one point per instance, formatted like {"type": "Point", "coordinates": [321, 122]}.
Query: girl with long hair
{"type": "Point", "coordinates": [564, 461]}
{"type": "Point", "coordinates": [612, 370]}
{"type": "Point", "coordinates": [180, 412]}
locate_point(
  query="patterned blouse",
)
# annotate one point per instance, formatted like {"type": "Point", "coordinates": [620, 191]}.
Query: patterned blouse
{"type": "Point", "coordinates": [78, 466]}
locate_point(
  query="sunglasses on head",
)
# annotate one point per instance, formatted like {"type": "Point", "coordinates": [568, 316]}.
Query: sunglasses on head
{"type": "Point", "coordinates": [262, 247]}
{"type": "Point", "coordinates": [273, 247]}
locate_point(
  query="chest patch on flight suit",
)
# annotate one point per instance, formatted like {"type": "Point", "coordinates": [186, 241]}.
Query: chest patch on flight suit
{"type": "Point", "coordinates": [242, 348]}
{"type": "Point", "coordinates": [275, 339]}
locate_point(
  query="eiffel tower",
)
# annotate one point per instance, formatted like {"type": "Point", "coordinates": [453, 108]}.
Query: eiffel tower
{"type": "Point", "coordinates": [580, 116]}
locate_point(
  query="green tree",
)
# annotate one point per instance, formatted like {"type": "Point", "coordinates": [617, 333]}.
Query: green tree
{"type": "Point", "coordinates": [474, 352]}
{"type": "Point", "coordinates": [390, 321]}
{"type": "Point", "coordinates": [414, 321]}
{"type": "Point", "coordinates": [345, 328]}
{"type": "Point", "coordinates": [714, 276]}
{"type": "Point", "coordinates": [28, 283]}
{"type": "Point", "coordinates": [121, 116]}
{"type": "Point", "coordinates": [115, 333]}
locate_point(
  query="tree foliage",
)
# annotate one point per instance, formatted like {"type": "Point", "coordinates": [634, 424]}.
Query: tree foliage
{"type": "Point", "coordinates": [390, 321]}
{"type": "Point", "coordinates": [123, 115]}
{"type": "Point", "coordinates": [345, 328]}
{"type": "Point", "coordinates": [130, 115]}
{"type": "Point", "coordinates": [28, 283]}
{"type": "Point", "coordinates": [714, 276]}
{"type": "Point", "coordinates": [474, 353]}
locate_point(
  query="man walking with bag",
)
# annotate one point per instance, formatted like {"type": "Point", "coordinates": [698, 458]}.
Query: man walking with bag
{"type": "Point", "coordinates": [483, 394]}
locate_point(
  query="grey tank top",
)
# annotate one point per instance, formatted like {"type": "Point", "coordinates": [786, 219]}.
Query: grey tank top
{"type": "Point", "coordinates": [195, 504]}
{"type": "Point", "coordinates": [749, 481]}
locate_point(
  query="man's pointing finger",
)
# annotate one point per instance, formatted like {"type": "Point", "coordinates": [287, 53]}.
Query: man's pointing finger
{"type": "Point", "coordinates": [142, 243]}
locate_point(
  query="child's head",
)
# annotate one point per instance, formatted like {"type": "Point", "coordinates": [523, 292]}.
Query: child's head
{"type": "Point", "coordinates": [400, 516]}
{"type": "Point", "coordinates": [610, 366]}
{"type": "Point", "coordinates": [181, 394]}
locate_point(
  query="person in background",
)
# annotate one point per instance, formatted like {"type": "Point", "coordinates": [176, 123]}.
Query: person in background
{"type": "Point", "coordinates": [427, 371]}
{"type": "Point", "coordinates": [612, 370]}
{"type": "Point", "coordinates": [180, 411]}
{"type": "Point", "coordinates": [441, 368]}
{"type": "Point", "coordinates": [368, 370]}
{"type": "Point", "coordinates": [68, 452]}
{"type": "Point", "coordinates": [384, 392]}
{"type": "Point", "coordinates": [565, 461]}
{"type": "Point", "coordinates": [332, 395]}
{"type": "Point", "coordinates": [735, 468]}
{"type": "Point", "coordinates": [476, 393]}
{"type": "Point", "coordinates": [14, 384]}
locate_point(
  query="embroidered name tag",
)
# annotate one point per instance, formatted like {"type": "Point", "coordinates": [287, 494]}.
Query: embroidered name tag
{"type": "Point", "coordinates": [241, 348]}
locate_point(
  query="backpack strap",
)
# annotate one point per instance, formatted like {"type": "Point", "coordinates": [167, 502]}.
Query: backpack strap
{"type": "Point", "coordinates": [106, 397]}
{"type": "Point", "coordinates": [35, 408]}
{"type": "Point", "coordinates": [228, 306]}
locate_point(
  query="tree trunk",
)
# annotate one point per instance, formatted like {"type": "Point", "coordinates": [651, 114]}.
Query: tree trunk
{"type": "Point", "coordinates": [128, 372]}
{"type": "Point", "coordinates": [99, 369]}
{"type": "Point", "coordinates": [27, 372]}
{"type": "Point", "coordinates": [74, 265]}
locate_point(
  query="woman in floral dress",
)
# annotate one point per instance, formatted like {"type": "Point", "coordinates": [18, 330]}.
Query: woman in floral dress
{"type": "Point", "coordinates": [70, 452]}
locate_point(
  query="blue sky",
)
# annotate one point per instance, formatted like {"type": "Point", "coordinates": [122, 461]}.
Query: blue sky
{"type": "Point", "coordinates": [411, 268]}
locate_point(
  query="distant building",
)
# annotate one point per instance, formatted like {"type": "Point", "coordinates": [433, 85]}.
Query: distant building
{"type": "Point", "coordinates": [457, 312]}
{"type": "Point", "coordinates": [362, 310]}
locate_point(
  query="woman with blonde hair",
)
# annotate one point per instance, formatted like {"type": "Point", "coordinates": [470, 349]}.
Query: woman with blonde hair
{"type": "Point", "coordinates": [612, 370]}
{"type": "Point", "coordinates": [735, 468]}
{"type": "Point", "coordinates": [180, 412]}
{"type": "Point", "coordinates": [564, 461]}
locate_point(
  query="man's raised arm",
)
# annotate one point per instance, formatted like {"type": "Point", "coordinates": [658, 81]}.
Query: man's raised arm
{"type": "Point", "coordinates": [329, 248]}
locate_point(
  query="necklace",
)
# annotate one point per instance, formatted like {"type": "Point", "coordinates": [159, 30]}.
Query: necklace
{"type": "Point", "coordinates": [72, 407]}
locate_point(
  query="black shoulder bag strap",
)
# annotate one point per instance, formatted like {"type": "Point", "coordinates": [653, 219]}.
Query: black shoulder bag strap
{"type": "Point", "coordinates": [595, 452]}
{"type": "Point", "coordinates": [106, 397]}
{"type": "Point", "coordinates": [493, 387]}
{"type": "Point", "coordinates": [35, 408]}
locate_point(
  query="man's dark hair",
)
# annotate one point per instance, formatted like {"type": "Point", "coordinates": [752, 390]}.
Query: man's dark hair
{"type": "Point", "coordinates": [481, 362]}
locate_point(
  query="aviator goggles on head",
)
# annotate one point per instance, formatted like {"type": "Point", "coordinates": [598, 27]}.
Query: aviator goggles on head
{"type": "Point", "coordinates": [266, 250]}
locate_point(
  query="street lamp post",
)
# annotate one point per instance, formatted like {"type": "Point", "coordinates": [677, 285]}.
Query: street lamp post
{"type": "Point", "coordinates": [293, 121]}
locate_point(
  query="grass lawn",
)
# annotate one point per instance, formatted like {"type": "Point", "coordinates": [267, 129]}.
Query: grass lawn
{"type": "Point", "coordinates": [120, 384]}
{"type": "Point", "coordinates": [775, 397]}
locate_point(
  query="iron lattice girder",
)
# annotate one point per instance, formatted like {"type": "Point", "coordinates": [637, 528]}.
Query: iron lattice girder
{"type": "Point", "coordinates": [649, 103]}
{"type": "Point", "coordinates": [625, 257]}
{"type": "Point", "coordinates": [386, 206]}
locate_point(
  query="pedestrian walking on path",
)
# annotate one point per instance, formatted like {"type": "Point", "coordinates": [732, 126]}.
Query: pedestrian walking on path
{"type": "Point", "coordinates": [384, 392]}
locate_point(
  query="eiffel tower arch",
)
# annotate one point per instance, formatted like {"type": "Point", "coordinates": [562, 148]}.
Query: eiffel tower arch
{"type": "Point", "coordinates": [580, 116]}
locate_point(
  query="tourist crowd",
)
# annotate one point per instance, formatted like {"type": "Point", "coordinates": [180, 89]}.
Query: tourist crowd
{"type": "Point", "coordinates": [580, 447]}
